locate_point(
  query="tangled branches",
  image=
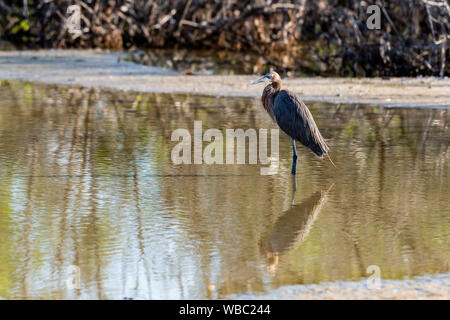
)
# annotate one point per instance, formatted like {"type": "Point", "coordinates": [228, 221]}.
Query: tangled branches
{"type": "Point", "coordinates": [327, 37]}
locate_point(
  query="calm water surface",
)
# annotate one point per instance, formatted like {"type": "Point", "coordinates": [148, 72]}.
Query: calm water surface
{"type": "Point", "coordinates": [86, 180]}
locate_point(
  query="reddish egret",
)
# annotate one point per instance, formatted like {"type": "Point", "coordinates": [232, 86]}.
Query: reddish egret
{"type": "Point", "coordinates": [292, 116]}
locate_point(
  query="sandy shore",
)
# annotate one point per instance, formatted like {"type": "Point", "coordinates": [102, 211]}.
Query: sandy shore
{"type": "Point", "coordinates": [106, 70]}
{"type": "Point", "coordinates": [425, 287]}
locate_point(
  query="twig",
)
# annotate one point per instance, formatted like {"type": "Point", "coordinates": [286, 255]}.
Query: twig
{"type": "Point", "coordinates": [5, 7]}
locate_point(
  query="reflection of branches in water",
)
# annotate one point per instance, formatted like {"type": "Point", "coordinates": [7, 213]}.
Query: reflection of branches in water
{"type": "Point", "coordinates": [69, 183]}
{"type": "Point", "coordinates": [87, 152]}
{"type": "Point", "coordinates": [381, 134]}
{"type": "Point", "coordinates": [128, 142]}
{"type": "Point", "coordinates": [425, 132]}
{"type": "Point", "coordinates": [415, 128]}
{"type": "Point", "coordinates": [81, 148]}
{"type": "Point", "coordinates": [140, 236]}
{"type": "Point", "coordinates": [27, 232]}
{"type": "Point", "coordinates": [89, 139]}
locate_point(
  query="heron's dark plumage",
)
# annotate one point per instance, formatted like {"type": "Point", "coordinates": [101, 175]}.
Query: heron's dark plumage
{"type": "Point", "coordinates": [292, 116]}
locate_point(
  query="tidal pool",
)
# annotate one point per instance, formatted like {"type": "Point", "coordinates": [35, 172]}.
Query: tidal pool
{"type": "Point", "coordinates": [88, 192]}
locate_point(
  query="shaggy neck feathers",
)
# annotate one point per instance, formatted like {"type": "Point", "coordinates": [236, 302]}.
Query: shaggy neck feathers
{"type": "Point", "coordinates": [268, 97]}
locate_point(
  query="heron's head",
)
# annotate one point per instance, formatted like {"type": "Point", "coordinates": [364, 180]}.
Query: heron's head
{"type": "Point", "coordinates": [272, 76]}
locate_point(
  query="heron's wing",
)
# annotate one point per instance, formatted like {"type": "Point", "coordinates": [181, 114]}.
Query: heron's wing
{"type": "Point", "coordinates": [294, 118]}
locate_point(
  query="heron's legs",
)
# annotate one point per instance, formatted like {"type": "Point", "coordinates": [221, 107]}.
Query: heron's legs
{"type": "Point", "coordinates": [294, 158]}
{"type": "Point", "coordinates": [294, 189]}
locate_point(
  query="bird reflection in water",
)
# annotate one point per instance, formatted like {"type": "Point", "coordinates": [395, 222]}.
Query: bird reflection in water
{"type": "Point", "coordinates": [292, 228]}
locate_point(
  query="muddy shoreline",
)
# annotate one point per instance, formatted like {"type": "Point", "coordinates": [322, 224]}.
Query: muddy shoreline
{"type": "Point", "coordinates": [423, 287]}
{"type": "Point", "coordinates": [98, 69]}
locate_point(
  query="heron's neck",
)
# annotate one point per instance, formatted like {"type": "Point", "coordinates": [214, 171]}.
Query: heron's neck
{"type": "Point", "coordinates": [276, 85]}
{"type": "Point", "coordinates": [268, 97]}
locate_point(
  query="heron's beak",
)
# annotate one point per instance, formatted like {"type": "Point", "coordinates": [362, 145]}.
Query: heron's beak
{"type": "Point", "coordinates": [262, 79]}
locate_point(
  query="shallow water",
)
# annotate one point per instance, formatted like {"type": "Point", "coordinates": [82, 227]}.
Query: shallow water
{"type": "Point", "coordinates": [86, 181]}
{"type": "Point", "coordinates": [202, 61]}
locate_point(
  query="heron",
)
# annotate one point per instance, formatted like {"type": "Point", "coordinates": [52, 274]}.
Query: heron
{"type": "Point", "coordinates": [292, 116]}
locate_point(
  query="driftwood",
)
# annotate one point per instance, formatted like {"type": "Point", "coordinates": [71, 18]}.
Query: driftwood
{"type": "Point", "coordinates": [319, 37]}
